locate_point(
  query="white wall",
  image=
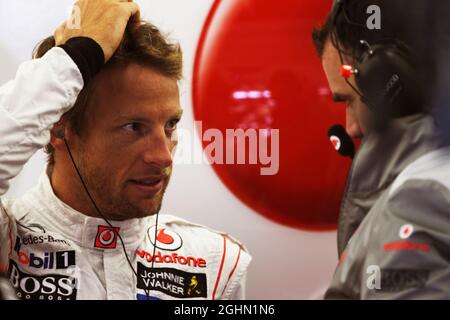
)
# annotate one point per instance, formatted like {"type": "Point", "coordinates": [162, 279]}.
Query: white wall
{"type": "Point", "coordinates": [287, 263]}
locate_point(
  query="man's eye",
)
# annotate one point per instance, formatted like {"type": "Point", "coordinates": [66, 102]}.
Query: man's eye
{"type": "Point", "coordinates": [132, 127]}
{"type": "Point", "coordinates": [172, 124]}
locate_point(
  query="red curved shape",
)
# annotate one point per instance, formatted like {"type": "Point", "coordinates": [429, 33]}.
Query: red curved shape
{"type": "Point", "coordinates": [256, 68]}
{"type": "Point", "coordinates": [164, 237]}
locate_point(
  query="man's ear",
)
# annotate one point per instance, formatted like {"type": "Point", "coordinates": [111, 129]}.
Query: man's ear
{"type": "Point", "coordinates": [57, 135]}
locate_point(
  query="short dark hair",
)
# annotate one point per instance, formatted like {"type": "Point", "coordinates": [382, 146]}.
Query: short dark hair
{"type": "Point", "coordinates": [321, 35]}
{"type": "Point", "coordinates": [411, 22]}
{"type": "Point", "coordinates": [144, 45]}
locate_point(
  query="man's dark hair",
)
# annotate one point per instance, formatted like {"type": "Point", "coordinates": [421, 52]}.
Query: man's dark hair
{"type": "Point", "coordinates": [406, 22]}
{"type": "Point", "coordinates": [411, 22]}
{"type": "Point", "coordinates": [144, 45]}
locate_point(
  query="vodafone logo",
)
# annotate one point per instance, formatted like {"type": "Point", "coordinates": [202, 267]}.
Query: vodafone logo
{"type": "Point", "coordinates": [406, 231]}
{"type": "Point", "coordinates": [165, 239]}
{"type": "Point", "coordinates": [106, 237]}
{"type": "Point", "coordinates": [172, 258]}
{"type": "Point", "coordinates": [336, 142]}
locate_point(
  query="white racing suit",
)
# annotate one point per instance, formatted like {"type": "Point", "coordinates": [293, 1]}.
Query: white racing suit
{"type": "Point", "coordinates": [51, 252]}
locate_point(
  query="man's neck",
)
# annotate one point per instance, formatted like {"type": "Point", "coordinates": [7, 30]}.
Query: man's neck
{"type": "Point", "coordinates": [69, 189]}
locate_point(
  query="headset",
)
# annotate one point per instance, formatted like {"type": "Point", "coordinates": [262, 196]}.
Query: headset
{"type": "Point", "coordinates": [59, 132]}
{"type": "Point", "coordinates": [385, 74]}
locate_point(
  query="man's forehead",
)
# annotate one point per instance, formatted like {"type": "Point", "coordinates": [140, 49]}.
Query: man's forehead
{"type": "Point", "coordinates": [330, 58]}
{"type": "Point", "coordinates": [133, 92]}
{"type": "Point", "coordinates": [135, 76]}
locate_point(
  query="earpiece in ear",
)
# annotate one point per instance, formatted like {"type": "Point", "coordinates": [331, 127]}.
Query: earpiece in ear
{"type": "Point", "coordinates": [59, 132]}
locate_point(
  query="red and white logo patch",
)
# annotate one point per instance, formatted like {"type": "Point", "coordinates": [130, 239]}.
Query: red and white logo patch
{"type": "Point", "coordinates": [106, 237]}
{"type": "Point", "coordinates": [406, 231]}
{"type": "Point", "coordinates": [165, 239]}
{"type": "Point", "coordinates": [336, 142]}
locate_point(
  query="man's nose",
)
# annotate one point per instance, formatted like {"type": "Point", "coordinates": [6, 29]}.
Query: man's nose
{"type": "Point", "coordinates": [159, 151]}
{"type": "Point", "coordinates": [352, 125]}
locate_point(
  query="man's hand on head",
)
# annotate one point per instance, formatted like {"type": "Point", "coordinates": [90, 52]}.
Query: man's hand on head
{"type": "Point", "coordinates": [104, 21]}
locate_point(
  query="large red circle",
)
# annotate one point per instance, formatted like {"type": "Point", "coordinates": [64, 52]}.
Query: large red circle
{"type": "Point", "coordinates": [266, 47]}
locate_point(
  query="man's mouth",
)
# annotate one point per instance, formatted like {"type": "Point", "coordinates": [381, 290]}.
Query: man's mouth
{"type": "Point", "coordinates": [148, 186]}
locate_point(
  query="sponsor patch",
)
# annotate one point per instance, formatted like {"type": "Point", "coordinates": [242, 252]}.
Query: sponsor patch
{"type": "Point", "coordinates": [172, 258]}
{"type": "Point", "coordinates": [165, 239]}
{"type": "Point", "coordinates": [401, 279]}
{"type": "Point", "coordinates": [406, 231]}
{"type": "Point", "coordinates": [406, 245]}
{"type": "Point", "coordinates": [106, 237]}
{"type": "Point", "coordinates": [45, 287]}
{"type": "Point", "coordinates": [173, 282]}
{"type": "Point", "coordinates": [48, 260]}
{"type": "Point", "coordinates": [31, 240]}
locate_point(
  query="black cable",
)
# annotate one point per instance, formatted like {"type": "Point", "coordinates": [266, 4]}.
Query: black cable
{"type": "Point", "coordinates": [147, 292]}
